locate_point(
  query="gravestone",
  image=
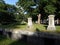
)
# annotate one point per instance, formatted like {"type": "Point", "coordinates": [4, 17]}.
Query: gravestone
{"type": "Point", "coordinates": [39, 16]}
{"type": "Point", "coordinates": [51, 25]}
{"type": "Point", "coordinates": [16, 35]}
{"type": "Point", "coordinates": [29, 22]}
{"type": "Point", "coordinates": [57, 21]}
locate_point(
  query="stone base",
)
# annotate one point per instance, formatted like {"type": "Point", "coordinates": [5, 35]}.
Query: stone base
{"type": "Point", "coordinates": [51, 28]}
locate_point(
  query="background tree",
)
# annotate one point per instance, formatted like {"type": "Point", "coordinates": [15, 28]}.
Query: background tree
{"type": "Point", "coordinates": [30, 7]}
{"type": "Point", "coordinates": [44, 7]}
{"type": "Point", "coordinates": [6, 13]}
{"type": "Point", "coordinates": [58, 9]}
{"type": "Point", "coordinates": [2, 1]}
{"type": "Point", "coordinates": [50, 9]}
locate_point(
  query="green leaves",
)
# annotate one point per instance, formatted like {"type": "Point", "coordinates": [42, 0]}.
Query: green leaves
{"type": "Point", "coordinates": [45, 7]}
{"type": "Point", "coordinates": [7, 13]}
{"type": "Point", "coordinates": [50, 9]}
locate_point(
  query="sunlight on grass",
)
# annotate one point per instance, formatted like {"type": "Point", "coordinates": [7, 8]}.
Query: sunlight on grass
{"type": "Point", "coordinates": [14, 26]}
{"type": "Point", "coordinates": [58, 27]}
{"type": "Point", "coordinates": [39, 26]}
{"type": "Point", "coordinates": [23, 26]}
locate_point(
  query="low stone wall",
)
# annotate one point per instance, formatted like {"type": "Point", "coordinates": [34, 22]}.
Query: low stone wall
{"type": "Point", "coordinates": [44, 38]}
{"type": "Point", "coordinates": [34, 38]}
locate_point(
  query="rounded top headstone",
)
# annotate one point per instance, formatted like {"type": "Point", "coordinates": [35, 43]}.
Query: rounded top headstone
{"type": "Point", "coordinates": [29, 18]}
{"type": "Point", "coordinates": [51, 16]}
{"type": "Point", "coordinates": [39, 15]}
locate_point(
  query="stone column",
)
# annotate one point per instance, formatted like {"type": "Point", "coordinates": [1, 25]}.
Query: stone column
{"type": "Point", "coordinates": [51, 25]}
{"type": "Point", "coordinates": [29, 22]}
{"type": "Point", "coordinates": [39, 16]}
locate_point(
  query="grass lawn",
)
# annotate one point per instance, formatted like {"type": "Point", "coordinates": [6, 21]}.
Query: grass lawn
{"type": "Point", "coordinates": [39, 26]}
{"type": "Point", "coordinates": [7, 41]}
{"type": "Point", "coordinates": [14, 26]}
{"type": "Point", "coordinates": [43, 27]}
{"type": "Point", "coordinates": [23, 26]}
{"type": "Point", "coordinates": [57, 27]}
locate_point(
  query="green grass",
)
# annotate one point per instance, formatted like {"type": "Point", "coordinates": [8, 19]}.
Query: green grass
{"type": "Point", "coordinates": [23, 26]}
{"type": "Point", "coordinates": [57, 27]}
{"type": "Point", "coordinates": [8, 41]}
{"type": "Point", "coordinates": [14, 26]}
{"type": "Point", "coordinates": [39, 26]}
{"type": "Point", "coordinates": [42, 27]}
{"type": "Point", "coordinates": [4, 40]}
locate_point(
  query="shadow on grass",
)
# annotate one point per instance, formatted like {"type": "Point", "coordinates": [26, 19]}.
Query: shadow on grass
{"type": "Point", "coordinates": [57, 24]}
{"type": "Point", "coordinates": [2, 38]}
{"type": "Point", "coordinates": [13, 25]}
{"type": "Point", "coordinates": [45, 26]}
{"type": "Point", "coordinates": [18, 42]}
{"type": "Point", "coordinates": [37, 30]}
{"type": "Point", "coordinates": [22, 41]}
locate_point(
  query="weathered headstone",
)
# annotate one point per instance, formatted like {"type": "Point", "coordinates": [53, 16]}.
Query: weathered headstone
{"type": "Point", "coordinates": [51, 25]}
{"type": "Point", "coordinates": [57, 21]}
{"type": "Point", "coordinates": [16, 35]}
{"type": "Point", "coordinates": [39, 16]}
{"type": "Point", "coordinates": [29, 22]}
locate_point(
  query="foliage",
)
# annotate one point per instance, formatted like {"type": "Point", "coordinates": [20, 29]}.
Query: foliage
{"type": "Point", "coordinates": [44, 7]}
{"type": "Point", "coordinates": [50, 9]}
{"type": "Point", "coordinates": [2, 1]}
{"type": "Point", "coordinates": [27, 5]}
{"type": "Point", "coordinates": [58, 9]}
{"type": "Point", "coordinates": [6, 18]}
{"type": "Point", "coordinates": [6, 13]}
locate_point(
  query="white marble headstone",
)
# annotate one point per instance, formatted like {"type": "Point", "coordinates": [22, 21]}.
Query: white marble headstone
{"type": "Point", "coordinates": [51, 25]}
{"type": "Point", "coordinates": [29, 22]}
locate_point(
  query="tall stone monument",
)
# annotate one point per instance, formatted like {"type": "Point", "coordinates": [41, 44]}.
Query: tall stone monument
{"type": "Point", "coordinates": [39, 16]}
{"type": "Point", "coordinates": [51, 25]}
{"type": "Point", "coordinates": [29, 22]}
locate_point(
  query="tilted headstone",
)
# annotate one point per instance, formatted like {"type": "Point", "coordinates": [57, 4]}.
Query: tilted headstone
{"type": "Point", "coordinates": [51, 25]}
{"type": "Point", "coordinates": [29, 22]}
{"type": "Point", "coordinates": [39, 16]}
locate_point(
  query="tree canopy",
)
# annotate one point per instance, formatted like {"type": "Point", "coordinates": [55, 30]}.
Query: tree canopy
{"type": "Point", "coordinates": [6, 12]}
{"type": "Point", "coordinates": [44, 7]}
